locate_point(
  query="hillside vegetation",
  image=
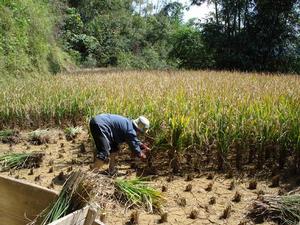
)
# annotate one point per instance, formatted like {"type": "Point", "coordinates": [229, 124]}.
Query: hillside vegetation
{"type": "Point", "coordinates": [44, 36]}
{"type": "Point", "coordinates": [27, 43]}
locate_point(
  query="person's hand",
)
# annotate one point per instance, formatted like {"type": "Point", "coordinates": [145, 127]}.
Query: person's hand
{"type": "Point", "coordinates": [142, 155]}
{"type": "Point", "coordinates": [145, 148]}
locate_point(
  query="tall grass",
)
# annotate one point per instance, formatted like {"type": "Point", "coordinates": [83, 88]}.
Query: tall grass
{"type": "Point", "coordinates": [251, 116]}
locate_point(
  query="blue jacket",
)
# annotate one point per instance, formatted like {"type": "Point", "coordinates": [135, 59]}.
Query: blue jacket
{"type": "Point", "coordinates": [118, 129]}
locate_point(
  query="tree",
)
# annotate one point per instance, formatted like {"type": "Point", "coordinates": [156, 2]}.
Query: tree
{"type": "Point", "coordinates": [255, 35]}
{"type": "Point", "coordinates": [189, 50]}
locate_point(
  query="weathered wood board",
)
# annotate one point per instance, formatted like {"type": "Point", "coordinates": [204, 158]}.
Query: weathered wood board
{"type": "Point", "coordinates": [21, 201]}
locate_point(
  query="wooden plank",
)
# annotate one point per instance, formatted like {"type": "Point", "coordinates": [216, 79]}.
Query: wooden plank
{"type": "Point", "coordinates": [98, 222]}
{"type": "Point", "coordinates": [75, 218]}
{"type": "Point", "coordinates": [21, 201]}
{"type": "Point", "coordinates": [91, 215]}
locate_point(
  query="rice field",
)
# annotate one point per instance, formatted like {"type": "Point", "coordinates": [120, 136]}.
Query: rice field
{"type": "Point", "coordinates": [231, 118]}
{"type": "Point", "coordinates": [195, 198]}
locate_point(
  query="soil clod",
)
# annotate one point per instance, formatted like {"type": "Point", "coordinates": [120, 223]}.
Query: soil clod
{"type": "Point", "coordinates": [194, 214]}
{"type": "Point", "coordinates": [61, 176]}
{"type": "Point", "coordinates": [189, 177]}
{"type": "Point", "coordinates": [252, 185]}
{"type": "Point", "coordinates": [188, 188]}
{"type": "Point", "coordinates": [232, 185]}
{"type": "Point", "coordinates": [30, 171]}
{"type": "Point", "coordinates": [210, 176]}
{"type": "Point", "coordinates": [51, 162]}
{"type": "Point", "coordinates": [134, 218]}
{"type": "Point", "coordinates": [182, 202]}
{"type": "Point", "coordinates": [209, 187]}
{"type": "Point", "coordinates": [226, 213]}
{"type": "Point", "coordinates": [70, 168]}
{"type": "Point", "coordinates": [275, 181]}
{"type": "Point", "coordinates": [37, 178]}
{"type": "Point", "coordinates": [170, 178]}
{"type": "Point", "coordinates": [237, 197]}
{"type": "Point", "coordinates": [212, 200]}
{"type": "Point", "coordinates": [163, 218]}
{"type": "Point", "coordinates": [164, 188]}
{"type": "Point", "coordinates": [82, 148]}
{"type": "Point", "coordinates": [229, 175]}
{"type": "Point", "coordinates": [51, 170]}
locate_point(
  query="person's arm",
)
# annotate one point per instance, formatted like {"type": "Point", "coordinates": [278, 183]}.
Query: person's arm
{"type": "Point", "coordinates": [134, 143]}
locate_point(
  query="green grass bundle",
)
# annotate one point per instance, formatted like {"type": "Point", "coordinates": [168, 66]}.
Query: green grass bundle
{"type": "Point", "coordinates": [136, 192]}
{"type": "Point", "coordinates": [284, 209]}
{"type": "Point", "coordinates": [6, 133]}
{"type": "Point", "coordinates": [73, 196]}
{"type": "Point", "coordinates": [9, 136]}
{"type": "Point", "coordinates": [20, 160]}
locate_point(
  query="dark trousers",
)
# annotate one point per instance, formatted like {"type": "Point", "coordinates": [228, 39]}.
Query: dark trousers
{"type": "Point", "coordinates": [102, 145]}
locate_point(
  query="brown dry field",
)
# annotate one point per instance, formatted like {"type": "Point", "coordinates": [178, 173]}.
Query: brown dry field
{"type": "Point", "coordinates": [65, 156]}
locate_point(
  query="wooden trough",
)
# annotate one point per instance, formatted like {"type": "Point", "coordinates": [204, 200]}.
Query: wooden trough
{"type": "Point", "coordinates": [21, 202]}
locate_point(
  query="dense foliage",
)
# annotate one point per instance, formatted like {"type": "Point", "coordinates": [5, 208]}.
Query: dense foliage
{"type": "Point", "coordinates": [247, 35]}
{"type": "Point", "coordinates": [113, 33]}
{"type": "Point", "coordinates": [27, 43]}
{"type": "Point", "coordinates": [259, 35]}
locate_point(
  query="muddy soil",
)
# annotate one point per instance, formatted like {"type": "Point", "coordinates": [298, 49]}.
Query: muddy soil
{"type": "Point", "coordinates": [207, 198]}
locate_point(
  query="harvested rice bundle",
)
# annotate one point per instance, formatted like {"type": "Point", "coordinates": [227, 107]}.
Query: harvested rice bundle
{"type": "Point", "coordinates": [285, 209]}
{"type": "Point", "coordinates": [20, 160]}
{"type": "Point", "coordinates": [39, 137]}
{"type": "Point", "coordinates": [10, 136]}
{"type": "Point", "coordinates": [136, 192]}
{"type": "Point", "coordinates": [74, 195]}
{"type": "Point", "coordinates": [72, 132]}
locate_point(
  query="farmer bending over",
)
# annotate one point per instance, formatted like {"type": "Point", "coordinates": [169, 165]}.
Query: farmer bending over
{"type": "Point", "coordinates": [109, 130]}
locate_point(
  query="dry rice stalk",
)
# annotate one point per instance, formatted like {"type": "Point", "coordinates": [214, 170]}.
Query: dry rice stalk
{"type": "Point", "coordinates": [103, 191]}
{"type": "Point", "coordinates": [284, 209]}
